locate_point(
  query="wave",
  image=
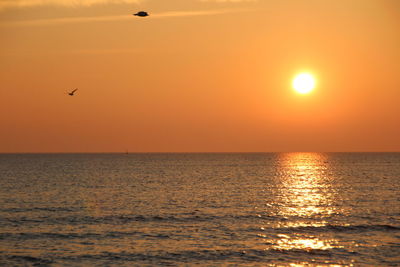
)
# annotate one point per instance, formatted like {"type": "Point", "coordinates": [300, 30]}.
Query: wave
{"type": "Point", "coordinates": [21, 260]}
{"type": "Point", "coordinates": [324, 257]}
{"type": "Point", "coordinates": [180, 218]}
{"type": "Point", "coordinates": [343, 228]}
{"type": "Point", "coordinates": [37, 209]}
{"type": "Point", "coordinates": [174, 235]}
{"type": "Point", "coordinates": [93, 236]}
{"type": "Point", "coordinates": [123, 219]}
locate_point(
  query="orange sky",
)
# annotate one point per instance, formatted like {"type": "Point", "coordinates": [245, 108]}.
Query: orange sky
{"type": "Point", "coordinates": [199, 76]}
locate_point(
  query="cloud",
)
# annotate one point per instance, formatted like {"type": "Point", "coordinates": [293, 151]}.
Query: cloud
{"type": "Point", "coordinates": [85, 3]}
{"type": "Point", "coordinates": [66, 20]}
{"type": "Point", "coordinates": [69, 20]}
{"type": "Point", "coordinates": [70, 3]}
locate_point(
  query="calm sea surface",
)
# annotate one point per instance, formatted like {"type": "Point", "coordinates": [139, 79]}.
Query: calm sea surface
{"type": "Point", "coordinates": [296, 209]}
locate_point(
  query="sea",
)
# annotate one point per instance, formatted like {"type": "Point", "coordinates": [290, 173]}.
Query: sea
{"type": "Point", "coordinates": [204, 209]}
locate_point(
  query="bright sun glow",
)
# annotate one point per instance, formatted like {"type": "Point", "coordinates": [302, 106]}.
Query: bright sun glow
{"type": "Point", "coordinates": [304, 83]}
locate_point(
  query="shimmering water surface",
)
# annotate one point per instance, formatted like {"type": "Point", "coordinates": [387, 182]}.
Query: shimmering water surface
{"type": "Point", "coordinates": [298, 209]}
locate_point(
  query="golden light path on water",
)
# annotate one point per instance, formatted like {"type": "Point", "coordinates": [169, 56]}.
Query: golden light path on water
{"type": "Point", "coordinates": [305, 198]}
{"type": "Point", "coordinates": [305, 188]}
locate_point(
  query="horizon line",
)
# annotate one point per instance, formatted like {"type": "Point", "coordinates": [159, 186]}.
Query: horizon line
{"type": "Point", "coordinates": [198, 152]}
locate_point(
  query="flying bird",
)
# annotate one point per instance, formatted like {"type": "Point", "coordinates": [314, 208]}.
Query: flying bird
{"type": "Point", "coordinates": [72, 92]}
{"type": "Point", "coordinates": [141, 14]}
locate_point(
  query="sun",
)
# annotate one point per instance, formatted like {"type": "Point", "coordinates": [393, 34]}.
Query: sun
{"type": "Point", "coordinates": [303, 83]}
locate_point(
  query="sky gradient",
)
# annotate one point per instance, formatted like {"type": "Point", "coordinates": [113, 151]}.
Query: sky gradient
{"type": "Point", "coordinates": [199, 76]}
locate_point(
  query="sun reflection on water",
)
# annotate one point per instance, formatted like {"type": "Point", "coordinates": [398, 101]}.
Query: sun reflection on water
{"type": "Point", "coordinates": [287, 243]}
{"type": "Point", "coordinates": [305, 189]}
{"type": "Point", "coordinates": [305, 199]}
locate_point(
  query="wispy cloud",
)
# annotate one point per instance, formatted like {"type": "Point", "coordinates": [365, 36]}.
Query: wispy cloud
{"type": "Point", "coordinates": [85, 3]}
{"type": "Point", "coordinates": [66, 20]}
{"type": "Point", "coordinates": [55, 21]}
{"type": "Point", "coordinates": [70, 3]}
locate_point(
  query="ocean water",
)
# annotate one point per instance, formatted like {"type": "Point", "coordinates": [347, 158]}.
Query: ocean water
{"type": "Point", "coordinates": [267, 209]}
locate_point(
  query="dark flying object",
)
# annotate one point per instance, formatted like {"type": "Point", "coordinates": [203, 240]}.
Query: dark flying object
{"type": "Point", "coordinates": [141, 14]}
{"type": "Point", "coordinates": [72, 92]}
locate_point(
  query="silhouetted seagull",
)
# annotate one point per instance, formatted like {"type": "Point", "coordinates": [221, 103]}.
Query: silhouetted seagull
{"type": "Point", "coordinates": [72, 92]}
{"type": "Point", "coordinates": [141, 14]}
